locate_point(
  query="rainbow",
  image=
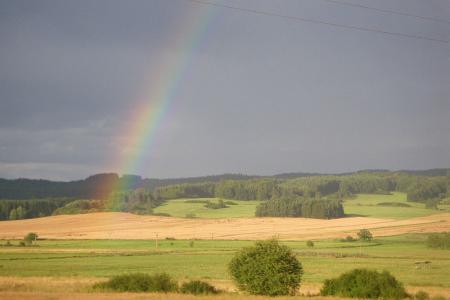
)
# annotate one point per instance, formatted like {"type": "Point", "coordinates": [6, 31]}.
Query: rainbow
{"type": "Point", "coordinates": [161, 91]}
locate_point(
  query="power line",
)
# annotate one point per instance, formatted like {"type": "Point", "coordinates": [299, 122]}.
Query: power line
{"type": "Point", "coordinates": [387, 11]}
{"type": "Point", "coordinates": [300, 19]}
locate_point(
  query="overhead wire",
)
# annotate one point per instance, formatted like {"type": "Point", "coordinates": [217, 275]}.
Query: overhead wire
{"type": "Point", "coordinates": [326, 23]}
{"type": "Point", "coordinates": [388, 11]}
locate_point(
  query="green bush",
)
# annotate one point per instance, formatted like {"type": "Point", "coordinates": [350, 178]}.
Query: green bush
{"type": "Point", "coordinates": [348, 239]}
{"type": "Point", "coordinates": [230, 202]}
{"type": "Point", "coordinates": [197, 287]}
{"type": "Point", "coordinates": [421, 295]}
{"type": "Point", "coordinates": [310, 244]}
{"type": "Point", "coordinates": [30, 238]}
{"type": "Point", "coordinates": [365, 235]}
{"type": "Point", "coordinates": [139, 282]}
{"type": "Point", "coordinates": [267, 268]}
{"type": "Point", "coordinates": [363, 283]}
{"type": "Point", "coordinates": [212, 205]}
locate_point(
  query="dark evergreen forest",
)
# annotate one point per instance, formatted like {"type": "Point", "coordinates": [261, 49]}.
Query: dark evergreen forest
{"type": "Point", "coordinates": [291, 195]}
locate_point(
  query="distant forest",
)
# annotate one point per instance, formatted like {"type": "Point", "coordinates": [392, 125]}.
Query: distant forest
{"type": "Point", "coordinates": [290, 195]}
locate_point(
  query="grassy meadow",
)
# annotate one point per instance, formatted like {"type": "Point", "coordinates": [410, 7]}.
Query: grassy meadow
{"type": "Point", "coordinates": [366, 205]}
{"type": "Point", "coordinates": [182, 207]}
{"type": "Point", "coordinates": [50, 266]}
{"type": "Point", "coordinates": [401, 255]}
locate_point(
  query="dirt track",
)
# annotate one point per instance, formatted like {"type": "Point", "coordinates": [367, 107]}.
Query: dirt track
{"type": "Point", "coordinates": [128, 226]}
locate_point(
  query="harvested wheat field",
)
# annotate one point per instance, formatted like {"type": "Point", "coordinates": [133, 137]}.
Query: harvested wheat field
{"type": "Point", "coordinates": [136, 296]}
{"type": "Point", "coordinates": [81, 288]}
{"type": "Point", "coordinates": [110, 225]}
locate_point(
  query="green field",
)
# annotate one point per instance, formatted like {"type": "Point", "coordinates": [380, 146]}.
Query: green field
{"type": "Point", "coordinates": [367, 205]}
{"type": "Point", "coordinates": [209, 259]}
{"type": "Point", "coordinates": [182, 207]}
{"type": "Point", "coordinates": [362, 205]}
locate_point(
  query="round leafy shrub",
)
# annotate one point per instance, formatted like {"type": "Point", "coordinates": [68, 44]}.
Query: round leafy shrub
{"type": "Point", "coordinates": [197, 287]}
{"type": "Point", "coordinates": [139, 282]}
{"type": "Point", "coordinates": [363, 283]}
{"type": "Point", "coordinates": [267, 268]}
{"type": "Point", "coordinates": [30, 238]}
{"type": "Point", "coordinates": [213, 205]}
{"type": "Point", "coordinates": [365, 235]}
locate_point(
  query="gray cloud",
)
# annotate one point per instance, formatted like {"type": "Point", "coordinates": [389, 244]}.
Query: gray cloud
{"type": "Point", "coordinates": [261, 95]}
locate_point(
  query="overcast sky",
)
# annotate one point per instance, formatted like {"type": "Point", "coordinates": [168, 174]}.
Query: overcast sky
{"type": "Point", "coordinates": [261, 95]}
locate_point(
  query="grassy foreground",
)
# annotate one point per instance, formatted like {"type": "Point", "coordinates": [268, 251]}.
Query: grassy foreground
{"type": "Point", "coordinates": [404, 256]}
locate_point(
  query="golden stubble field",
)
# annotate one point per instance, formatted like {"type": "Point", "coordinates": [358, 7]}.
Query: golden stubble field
{"type": "Point", "coordinates": [114, 225]}
{"type": "Point", "coordinates": [51, 288]}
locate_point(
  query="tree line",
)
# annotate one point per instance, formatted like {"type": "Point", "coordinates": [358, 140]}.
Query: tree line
{"type": "Point", "coordinates": [109, 192]}
{"type": "Point", "coordinates": [301, 207]}
{"type": "Point", "coordinates": [27, 209]}
{"type": "Point", "coordinates": [98, 186]}
{"type": "Point", "coordinates": [418, 188]}
{"type": "Point", "coordinates": [139, 201]}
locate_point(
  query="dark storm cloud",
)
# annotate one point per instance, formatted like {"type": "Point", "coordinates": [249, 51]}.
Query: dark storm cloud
{"type": "Point", "coordinates": [261, 95]}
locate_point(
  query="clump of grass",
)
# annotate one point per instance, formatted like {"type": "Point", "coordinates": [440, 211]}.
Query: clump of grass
{"type": "Point", "coordinates": [139, 282]}
{"type": "Point", "coordinates": [212, 205]}
{"type": "Point", "coordinates": [421, 295]}
{"type": "Point", "coordinates": [197, 287]}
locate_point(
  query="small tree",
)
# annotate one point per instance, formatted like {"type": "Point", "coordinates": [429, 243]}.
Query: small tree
{"type": "Point", "coordinates": [30, 237]}
{"type": "Point", "coordinates": [267, 268]}
{"type": "Point", "coordinates": [310, 244]}
{"type": "Point", "coordinates": [365, 235]}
